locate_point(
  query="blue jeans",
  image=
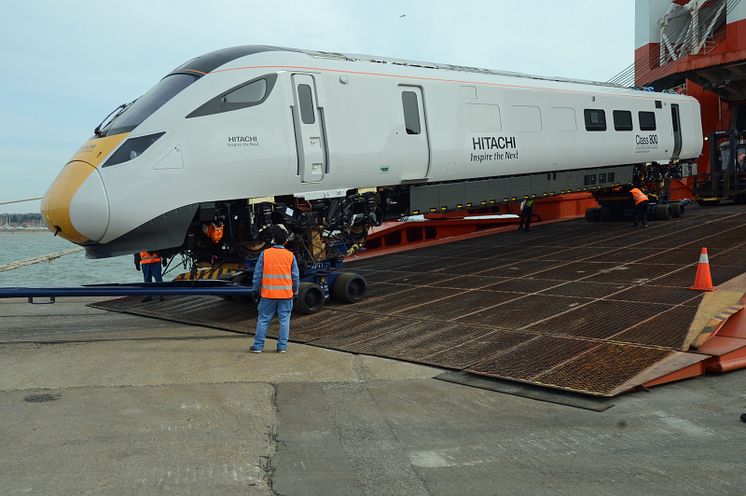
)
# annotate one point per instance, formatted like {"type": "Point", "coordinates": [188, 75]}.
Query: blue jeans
{"type": "Point", "coordinates": [268, 307]}
{"type": "Point", "coordinates": [152, 271]}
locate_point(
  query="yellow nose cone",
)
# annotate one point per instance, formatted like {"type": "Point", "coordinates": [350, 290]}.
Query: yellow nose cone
{"type": "Point", "coordinates": [55, 207]}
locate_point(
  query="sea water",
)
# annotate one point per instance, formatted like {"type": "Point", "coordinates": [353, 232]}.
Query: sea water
{"type": "Point", "coordinates": [70, 270]}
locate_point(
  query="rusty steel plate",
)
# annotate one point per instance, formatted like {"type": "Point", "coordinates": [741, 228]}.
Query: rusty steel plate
{"type": "Point", "coordinates": [532, 358]}
{"type": "Point", "coordinates": [480, 266]}
{"type": "Point", "coordinates": [399, 337]}
{"type": "Point", "coordinates": [422, 279]}
{"type": "Point", "coordinates": [521, 269]}
{"type": "Point", "coordinates": [370, 327]}
{"type": "Point", "coordinates": [481, 345]}
{"type": "Point", "coordinates": [574, 271]}
{"type": "Point", "coordinates": [633, 273]}
{"type": "Point", "coordinates": [458, 305]}
{"type": "Point", "coordinates": [525, 285]}
{"type": "Point", "coordinates": [521, 312]}
{"type": "Point", "coordinates": [599, 319]}
{"type": "Point", "coordinates": [469, 282]}
{"type": "Point", "coordinates": [668, 329]}
{"type": "Point", "coordinates": [622, 255]}
{"type": "Point", "coordinates": [586, 289]}
{"type": "Point", "coordinates": [656, 294]}
{"type": "Point", "coordinates": [603, 371]}
{"type": "Point", "coordinates": [435, 264]}
{"type": "Point", "coordinates": [570, 254]}
{"type": "Point", "coordinates": [405, 299]}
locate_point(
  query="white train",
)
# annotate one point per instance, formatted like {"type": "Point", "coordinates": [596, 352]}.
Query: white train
{"type": "Point", "coordinates": [329, 144]}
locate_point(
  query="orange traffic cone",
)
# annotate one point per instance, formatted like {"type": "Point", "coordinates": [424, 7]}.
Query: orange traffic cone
{"type": "Point", "coordinates": [703, 280]}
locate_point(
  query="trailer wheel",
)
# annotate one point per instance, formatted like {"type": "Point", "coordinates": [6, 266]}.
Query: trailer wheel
{"type": "Point", "coordinates": [310, 298]}
{"type": "Point", "coordinates": [605, 214]}
{"type": "Point", "coordinates": [592, 214]}
{"type": "Point", "coordinates": [677, 210]}
{"type": "Point", "coordinates": [350, 287]}
{"type": "Point", "coordinates": [663, 212]}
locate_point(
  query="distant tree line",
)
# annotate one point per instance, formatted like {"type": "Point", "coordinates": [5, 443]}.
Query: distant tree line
{"type": "Point", "coordinates": [16, 220]}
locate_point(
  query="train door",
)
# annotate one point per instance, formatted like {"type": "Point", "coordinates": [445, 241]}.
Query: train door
{"type": "Point", "coordinates": [309, 130]}
{"type": "Point", "coordinates": [676, 122]}
{"type": "Point", "coordinates": [415, 151]}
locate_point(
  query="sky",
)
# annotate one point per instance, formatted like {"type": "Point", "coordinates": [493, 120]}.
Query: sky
{"type": "Point", "coordinates": [66, 65]}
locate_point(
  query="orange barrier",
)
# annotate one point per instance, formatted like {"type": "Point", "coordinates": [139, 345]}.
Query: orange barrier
{"type": "Point", "coordinates": [703, 279]}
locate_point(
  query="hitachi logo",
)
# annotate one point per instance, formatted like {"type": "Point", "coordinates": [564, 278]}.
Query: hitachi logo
{"type": "Point", "coordinates": [492, 143]}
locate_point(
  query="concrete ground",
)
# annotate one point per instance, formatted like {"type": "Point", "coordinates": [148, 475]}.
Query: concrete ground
{"type": "Point", "coordinates": [99, 403]}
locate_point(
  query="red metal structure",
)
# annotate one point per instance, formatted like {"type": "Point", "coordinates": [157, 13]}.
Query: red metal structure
{"type": "Point", "coordinates": [697, 47]}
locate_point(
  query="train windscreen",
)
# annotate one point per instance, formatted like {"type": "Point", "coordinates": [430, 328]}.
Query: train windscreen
{"type": "Point", "coordinates": [143, 107]}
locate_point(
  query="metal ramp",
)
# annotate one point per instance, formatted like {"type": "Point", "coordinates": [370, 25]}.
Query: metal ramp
{"type": "Point", "coordinates": [592, 308]}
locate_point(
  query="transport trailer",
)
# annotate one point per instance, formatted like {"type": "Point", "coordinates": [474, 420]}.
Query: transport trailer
{"type": "Point", "coordinates": [617, 205]}
{"type": "Point", "coordinates": [615, 202]}
{"type": "Point", "coordinates": [319, 283]}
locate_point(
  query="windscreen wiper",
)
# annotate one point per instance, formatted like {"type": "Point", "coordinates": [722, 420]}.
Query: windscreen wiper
{"type": "Point", "coordinates": [116, 113]}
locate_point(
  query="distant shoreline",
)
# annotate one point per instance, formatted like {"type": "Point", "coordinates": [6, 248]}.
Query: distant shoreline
{"type": "Point", "coordinates": [16, 231]}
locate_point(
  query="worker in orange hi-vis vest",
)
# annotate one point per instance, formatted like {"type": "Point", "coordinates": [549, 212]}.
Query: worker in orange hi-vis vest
{"type": "Point", "coordinates": [151, 268]}
{"type": "Point", "coordinates": [640, 201]}
{"type": "Point", "coordinates": [276, 281]}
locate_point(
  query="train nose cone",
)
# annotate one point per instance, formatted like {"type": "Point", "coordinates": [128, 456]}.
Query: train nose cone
{"type": "Point", "coordinates": [76, 206]}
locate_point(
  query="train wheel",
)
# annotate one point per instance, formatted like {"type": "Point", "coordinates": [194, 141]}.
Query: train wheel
{"type": "Point", "coordinates": [350, 287]}
{"type": "Point", "coordinates": [310, 298]}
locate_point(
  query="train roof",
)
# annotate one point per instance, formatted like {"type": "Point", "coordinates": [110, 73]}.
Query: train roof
{"type": "Point", "coordinates": [211, 61]}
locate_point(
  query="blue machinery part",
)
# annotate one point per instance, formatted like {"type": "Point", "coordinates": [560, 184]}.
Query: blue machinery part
{"type": "Point", "coordinates": [318, 283]}
{"type": "Point", "coordinates": [176, 288]}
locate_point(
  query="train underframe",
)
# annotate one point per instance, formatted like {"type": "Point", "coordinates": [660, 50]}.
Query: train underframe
{"type": "Point", "coordinates": [225, 238]}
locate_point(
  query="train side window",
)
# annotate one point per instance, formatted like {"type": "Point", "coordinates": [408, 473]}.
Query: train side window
{"type": "Point", "coordinates": [250, 93]}
{"type": "Point", "coordinates": [622, 120]}
{"type": "Point", "coordinates": [595, 120]}
{"type": "Point", "coordinates": [647, 121]}
{"type": "Point", "coordinates": [305, 100]}
{"type": "Point", "coordinates": [411, 112]}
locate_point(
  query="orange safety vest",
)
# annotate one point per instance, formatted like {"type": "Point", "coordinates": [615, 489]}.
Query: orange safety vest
{"type": "Point", "coordinates": [638, 196]}
{"type": "Point", "coordinates": [277, 279]}
{"type": "Point", "coordinates": [149, 258]}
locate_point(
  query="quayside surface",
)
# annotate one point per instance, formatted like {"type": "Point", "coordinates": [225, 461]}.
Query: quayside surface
{"type": "Point", "coordinates": [593, 308]}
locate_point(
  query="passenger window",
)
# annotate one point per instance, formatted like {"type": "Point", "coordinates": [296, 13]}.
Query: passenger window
{"type": "Point", "coordinates": [647, 121]}
{"type": "Point", "coordinates": [411, 112]}
{"type": "Point", "coordinates": [251, 93]}
{"type": "Point", "coordinates": [622, 120]}
{"type": "Point", "coordinates": [307, 115]}
{"type": "Point", "coordinates": [595, 120]}
{"type": "Point", "coordinates": [246, 95]}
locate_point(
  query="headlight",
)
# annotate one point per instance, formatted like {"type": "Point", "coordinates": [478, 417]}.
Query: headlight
{"type": "Point", "coordinates": [132, 148]}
